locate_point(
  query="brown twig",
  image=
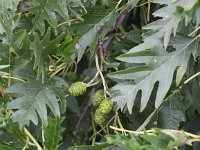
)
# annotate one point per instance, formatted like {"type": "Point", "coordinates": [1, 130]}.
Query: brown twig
{"type": "Point", "coordinates": [85, 108]}
{"type": "Point", "coordinates": [114, 30]}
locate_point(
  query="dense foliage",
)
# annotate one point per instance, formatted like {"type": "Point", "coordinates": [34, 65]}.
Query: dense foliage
{"type": "Point", "coordinates": [99, 74]}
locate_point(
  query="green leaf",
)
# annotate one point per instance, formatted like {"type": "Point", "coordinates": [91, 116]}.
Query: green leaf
{"type": "Point", "coordinates": [73, 105]}
{"type": "Point", "coordinates": [91, 37]}
{"type": "Point", "coordinates": [128, 142]}
{"type": "Point", "coordinates": [6, 5]}
{"type": "Point", "coordinates": [92, 147]}
{"type": "Point", "coordinates": [163, 27]}
{"type": "Point", "coordinates": [59, 86]}
{"type": "Point", "coordinates": [6, 147]}
{"type": "Point", "coordinates": [46, 10]}
{"type": "Point", "coordinates": [15, 130]}
{"type": "Point", "coordinates": [34, 97]}
{"type": "Point", "coordinates": [91, 18]}
{"type": "Point", "coordinates": [134, 36]}
{"type": "Point", "coordinates": [8, 23]}
{"type": "Point", "coordinates": [42, 48]}
{"type": "Point", "coordinates": [159, 140]}
{"type": "Point", "coordinates": [196, 14]}
{"type": "Point", "coordinates": [133, 3]}
{"type": "Point", "coordinates": [172, 13]}
{"type": "Point", "coordinates": [53, 133]}
{"type": "Point", "coordinates": [67, 48]}
{"type": "Point", "coordinates": [187, 5]}
{"type": "Point", "coordinates": [25, 54]}
{"type": "Point", "coordinates": [8, 19]}
{"type": "Point", "coordinates": [172, 113]}
{"type": "Point", "coordinates": [190, 91]}
{"type": "Point", "coordinates": [159, 67]}
{"type": "Point", "coordinates": [18, 38]}
{"type": "Point", "coordinates": [4, 73]}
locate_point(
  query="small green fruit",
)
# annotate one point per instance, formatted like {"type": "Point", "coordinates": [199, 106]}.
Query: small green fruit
{"type": "Point", "coordinates": [97, 98]}
{"type": "Point", "coordinates": [99, 118]}
{"type": "Point", "coordinates": [105, 107]}
{"type": "Point", "coordinates": [77, 88]}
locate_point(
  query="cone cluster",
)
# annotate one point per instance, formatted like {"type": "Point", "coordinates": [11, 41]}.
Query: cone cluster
{"type": "Point", "coordinates": [103, 111]}
{"type": "Point", "coordinates": [77, 88]}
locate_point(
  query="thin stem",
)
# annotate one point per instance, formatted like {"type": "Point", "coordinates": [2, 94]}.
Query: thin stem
{"type": "Point", "coordinates": [142, 4]}
{"type": "Point", "coordinates": [9, 78]}
{"type": "Point", "coordinates": [6, 77]}
{"type": "Point", "coordinates": [58, 69]}
{"type": "Point", "coordinates": [95, 131]}
{"type": "Point", "coordinates": [118, 3]}
{"type": "Point", "coordinates": [63, 23]}
{"type": "Point", "coordinates": [149, 8]}
{"type": "Point", "coordinates": [66, 95]}
{"type": "Point", "coordinates": [108, 93]}
{"type": "Point", "coordinates": [194, 140]}
{"type": "Point", "coordinates": [83, 7]}
{"type": "Point", "coordinates": [120, 124]}
{"type": "Point", "coordinates": [27, 143]}
{"type": "Point", "coordinates": [43, 139]}
{"type": "Point", "coordinates": [191, 34]}
{"type": "Point", "coordinates": [103, 128]}
{"type": "Point", "coordinates": [192, 77]}
{"type": "Point", "coordinates": [156, 111]}
{"type": "Point", "coordinates": [76, 15]}
{"type": "Point", "coordinates": [94, 78]}
{"type": "Point", "coordinates": [101, 75]}
{"type": "Point", "coordinates": [98, 132]}
{"type": "Point", "coordinates": [33, 139]}
{"type": "Point", "coordinates": [190, 135]}
{"type": "Point", "coordinates": [122, 130]}
{"type": "Point", "coordinates": [92, 84]}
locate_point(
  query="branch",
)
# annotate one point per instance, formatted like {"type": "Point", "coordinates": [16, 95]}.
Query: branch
{"type": "Point", "coordinates": [114, 30]}
{"type": "Point", "coordinates": [33, 139]}
{"type": "Point", "coordinates": [85, 108]}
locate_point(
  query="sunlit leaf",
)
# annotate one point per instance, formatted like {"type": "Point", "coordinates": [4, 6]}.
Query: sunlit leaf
{"type": "Point", "coordinates": [159, 67]}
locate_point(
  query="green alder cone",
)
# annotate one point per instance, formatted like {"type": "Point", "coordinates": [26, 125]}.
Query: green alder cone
{"type": "Point", "coordinates": [77, 88]}
{"type": "Point", "coordinates": [97, 98]}
{"type": "Point", "coordinates": [105, 107]}
{"type": "Point", "coordinates": [99, 118]}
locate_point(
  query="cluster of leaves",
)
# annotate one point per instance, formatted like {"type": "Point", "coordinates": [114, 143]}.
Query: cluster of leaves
{"type": "Point", "coordinates": [150, 139]}
{"type": "Point", "coordinates": [149, 67]}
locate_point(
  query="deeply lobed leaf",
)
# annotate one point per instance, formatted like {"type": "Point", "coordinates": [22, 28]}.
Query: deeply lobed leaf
{"type": "Point", "coordinates": [159, 67]}
{"type": "Point", "coordinates": [33, 99]}
{"type": "Point", "coordinates": [45, 10]}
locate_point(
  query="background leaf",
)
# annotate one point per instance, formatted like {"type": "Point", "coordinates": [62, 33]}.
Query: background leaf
{"type": "Point", "coordinates": [45, 10]}
{"type": "Point", "coordinates": [33, 100]}
{"type": "Point", "coordinates": [172, 113]}
{"type": "Point", "coordinates": [43, 48]}
{"type": "Point", "coordinates": [53, 133]}
{"type": "Point", "coordinates": [6, 147]}
{"type": "Point", "coordinates": [94, 147]}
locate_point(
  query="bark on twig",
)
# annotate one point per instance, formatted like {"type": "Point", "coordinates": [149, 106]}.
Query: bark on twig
{"type": "Point", "coordinates": [85, 108]}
